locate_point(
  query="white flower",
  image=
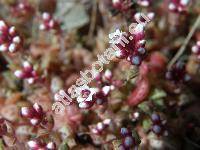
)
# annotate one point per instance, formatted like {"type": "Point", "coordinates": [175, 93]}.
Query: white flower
{"type": "Point", "coordinates": [115, 1]}
{"type": "Point", "coordinates": [184, 2]}
{"type": "Point", "coordinates": [106, 89]}
{"type": "Point", "coordinates": [3, 47]}
{"type": "Point", "coordinates": [144, 3]}
{"type": "Point", "coordinates": [16, 39]}
{"type": "Point", "coordinates": [46, 16]}
{"type": "Point", "coordinates": [116, 37]}
{"type": "Point", "coordinates": [139, 28]}
{"type": "Point", "coordinates": [171, 6]}
{"type": "Point", "coordinates": [91, 92]}
{"type": "Point", "coordinates": [18, 73]}
{"type": "Point", "coordinates": [12, 47]}
{"type": "Point", "coordinates": [108, 74]}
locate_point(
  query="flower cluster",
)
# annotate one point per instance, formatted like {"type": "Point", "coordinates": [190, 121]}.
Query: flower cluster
{"type": "Point", "coordinates": [196, 49]}
{"type": "Point", "coordinates": [129, 140]}
{"type": "Point", "coordinates": [34, 114]}
{"type": "Point", "coordinates": [134, 48]}
{"type": "Point", "coordinates": [105, 86]}
{"type": "Point", "coordinates": [122, 5]}
{"type": "Point", "coordinates": [38, 145]}
{"type": "Point", "coordinates": [101, 126]}
{"type": "Point", "coordinates": [85, 99]}
{"type": "Point", "coordinates": [177, 73]}
{"type": "Point", "coordinates": [90, 96]}
{"type": "Point", "coordinates": [22, 9]}
{"type": "Point", "coordinates": [158, 126]}
{"type": "Point", "coordinates": [27, 72]}
{"type": "Point", "coordinates": [48, 23]}
{"type": "Point", "coordinates": [178, 5]}
{"type": "Point", "coordinates": [9, 39]}
{"type": "Point", "coordinates": [143, 19]}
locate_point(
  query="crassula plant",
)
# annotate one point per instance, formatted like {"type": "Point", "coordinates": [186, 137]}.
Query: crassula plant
{"type": "Point", "coordinates": [144, 88]}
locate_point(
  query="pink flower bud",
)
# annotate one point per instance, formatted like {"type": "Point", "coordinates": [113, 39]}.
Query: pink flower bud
{"type": "Point", "coordinates": [46, 16]}
{"type": "Point", "coordinates": [144, 3]}
{"type": "Point", "coordinates": [27, 112]}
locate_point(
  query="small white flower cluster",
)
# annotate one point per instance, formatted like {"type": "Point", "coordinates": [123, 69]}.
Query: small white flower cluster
{"type": "Point", "coordinates": [116, 37]}
{"type": "Point", "coordinates": [119, 36]}
{"type": "Point", "coordinates": [48, 22]}
{"type": "Point", "coordinates": [101, 126]}
{"type": "Point", "coordinates": [33, 145]}
{"type": "Point", "coordinates": [27, 72]}
{"type": "Point", "coordinates": [85, 99]}
{"type": "Point", "coordinates": [9, 39]}
{"type": "Point", "coordinates": [179, 6]}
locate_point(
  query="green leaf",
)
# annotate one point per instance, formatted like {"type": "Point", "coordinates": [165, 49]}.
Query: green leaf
{"type": "Point", "coordinates": [72, 15]}
{"type": "Point", "coordinates": [159, 102]}
{"type": "Point", "coordinates": [136, 136]}
{"type": "Point", "coordinates": [146, 124]}
{"type": "Point", "coordinates": [64, 146]}
{"type": "Point", "coordinates": [144, 107]}
{"type": "Point", "coordinates": [116, 144]}
{"type": "Point", "coordinates": [10, 79]}
{"type": "Point", "coordinates": [1, 145]}
{"type": "Point", "coordinates": [157, 94]}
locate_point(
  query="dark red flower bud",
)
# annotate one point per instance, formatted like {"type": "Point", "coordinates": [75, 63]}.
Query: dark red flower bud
{"type": "Point", "coordinates": [128, 142]}
{"type": "Point", "coordinates": [155, 118]}
{"type": "Point", "coordinates": [101, 126]}
{"type": "Point", "coordinates": [122, 5]}
{"type": "Point", "coordinates": [125, 132]}
{"type": "Point", "coordinates": [22, 9]}
{"type": "Point", "coordinates": [177, 74]}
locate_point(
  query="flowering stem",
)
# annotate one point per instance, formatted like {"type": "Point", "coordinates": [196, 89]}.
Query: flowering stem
{"type": "Point", "coordinates": [182, 49]}
{"type": "Point", "coordinates": [93, 20]}
{"type": "Point", "coordinates": [7, 58]}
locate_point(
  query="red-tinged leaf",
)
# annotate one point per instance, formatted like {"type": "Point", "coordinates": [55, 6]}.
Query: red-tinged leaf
{"type": "Point", "coordinates": [144, 69]}
{"type": "Point", "coordinates": [140, 93]}
{"type": "Point", "coordinates": [157, 62]}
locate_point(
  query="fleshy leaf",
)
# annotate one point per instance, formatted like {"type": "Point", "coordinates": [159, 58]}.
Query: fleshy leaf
{"type": "Point", "coordinates": [64, 146]}
{"type": "Point", "coordinates": [71, 14]}
{"type": "Point", "coordinates": [158, 94]}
